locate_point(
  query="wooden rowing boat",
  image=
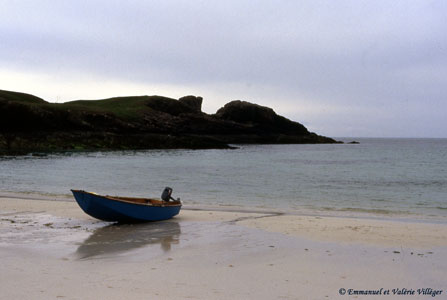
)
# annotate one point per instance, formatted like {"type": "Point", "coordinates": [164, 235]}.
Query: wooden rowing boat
{"type": "Point", "coordinates": [125, 209]}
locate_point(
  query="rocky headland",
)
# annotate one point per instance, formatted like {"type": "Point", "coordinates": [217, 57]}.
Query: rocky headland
{"type": "Point", "coordinates": [29, 124]}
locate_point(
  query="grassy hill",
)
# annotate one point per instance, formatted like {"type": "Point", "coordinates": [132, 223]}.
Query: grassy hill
{"type": "Point", "coordinates": [30, 124]}
{"type": "Point", "coordinates": [20, 97]}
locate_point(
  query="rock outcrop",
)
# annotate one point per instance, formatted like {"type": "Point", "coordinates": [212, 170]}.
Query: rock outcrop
{"type": "Point", "coordinates": [259, 116]}
{"type": "Point", "coordinates": [30, 124]}
{"type": "Point", "coordinates": [195, 103]}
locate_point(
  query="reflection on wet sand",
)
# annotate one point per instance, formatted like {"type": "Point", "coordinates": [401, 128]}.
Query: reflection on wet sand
{"type": "Point", "coordinates": [118, 238]}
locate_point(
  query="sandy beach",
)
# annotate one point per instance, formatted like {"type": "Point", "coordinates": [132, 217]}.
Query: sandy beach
{"type": "Point", "coordinates": [52, 250]}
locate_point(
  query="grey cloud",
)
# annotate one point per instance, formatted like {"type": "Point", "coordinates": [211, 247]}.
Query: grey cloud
{"type": "Point", "coordinates": [367, 54]}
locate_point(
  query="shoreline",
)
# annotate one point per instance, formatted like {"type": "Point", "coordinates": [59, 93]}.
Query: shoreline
{"type": "Point", "coordinates": [49, 248]}
{"type": "Point", "coordinates": [343, 214]}
{"type": "Point", "coordinates": [351, 229]}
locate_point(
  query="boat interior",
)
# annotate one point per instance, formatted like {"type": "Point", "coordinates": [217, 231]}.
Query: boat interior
{"type": "Point", "coordinates": [148, 201]}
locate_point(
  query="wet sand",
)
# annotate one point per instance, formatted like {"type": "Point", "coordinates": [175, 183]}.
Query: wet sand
{"type": "Point", "coordinates": [52, 250]}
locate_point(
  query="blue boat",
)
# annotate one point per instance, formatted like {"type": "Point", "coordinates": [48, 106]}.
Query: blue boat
{"type": "Point", "coordinates": [126, 209]}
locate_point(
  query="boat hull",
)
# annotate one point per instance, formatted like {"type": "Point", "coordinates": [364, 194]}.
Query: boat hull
{"type": "Point", "coordinates": [108, 209]}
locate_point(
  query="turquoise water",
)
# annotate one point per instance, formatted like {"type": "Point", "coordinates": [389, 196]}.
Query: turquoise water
{"type": "Point", "coordinates": [398, 177]}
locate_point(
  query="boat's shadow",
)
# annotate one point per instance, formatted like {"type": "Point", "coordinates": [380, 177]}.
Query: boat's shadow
{"type": "Point", "coordinates": [116, 239]}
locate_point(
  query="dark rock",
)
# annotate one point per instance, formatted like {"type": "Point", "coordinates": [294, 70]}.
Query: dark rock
{"type": "Point", "coordinates": [29, 124]}
{"type": "Point", "coordinates": [168, 105]}
{"type": "Point", "coordinates": [259, 117]}
{"type": "Point", "coordinates": [354, 142]}
{"type": "Point", "coordinates": [246, 112]}
{"type": "Point", "coordinates": [193, 102]}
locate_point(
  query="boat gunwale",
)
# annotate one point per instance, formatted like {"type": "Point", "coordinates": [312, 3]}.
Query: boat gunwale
{"type": "Point", "coordinates": [159, 203]}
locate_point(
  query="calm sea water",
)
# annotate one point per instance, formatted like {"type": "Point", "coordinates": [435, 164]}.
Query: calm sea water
{"type": "Point", "coordinates": [378, 177]}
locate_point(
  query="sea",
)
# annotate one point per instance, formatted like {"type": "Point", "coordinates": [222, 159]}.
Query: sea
{"type": "Point", "coordinates": [396, 178]}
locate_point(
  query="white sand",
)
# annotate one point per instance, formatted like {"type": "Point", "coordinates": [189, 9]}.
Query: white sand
{"type": "Point", "coordinates": [52, 250]}
{"type": "Point", "coordinates": [351, 230]}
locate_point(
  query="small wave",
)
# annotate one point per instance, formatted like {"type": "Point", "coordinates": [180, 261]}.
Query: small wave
{"type": "Point", "coordinates": [435, 207]}
{"type": "Point", "coordinates": [377, 211]}
{"type": "Point", "coordinates": [380, 200]}
{"type": "Point", "coordinates": [388, 183]}
{"type": "Point", "coordinates": [35, 195]}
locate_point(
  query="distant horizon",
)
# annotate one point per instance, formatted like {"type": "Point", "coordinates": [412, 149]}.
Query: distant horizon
{"type": "Point", "coordinates": [386, 138]}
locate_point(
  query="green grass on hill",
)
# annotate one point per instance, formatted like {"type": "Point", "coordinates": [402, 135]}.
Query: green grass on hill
{"type": "Point", "coordinates": [126, 108]}
{"type": "Point", "coordinates": [122, 107]}
{"type": "Point", "coordinates": [20, 97]}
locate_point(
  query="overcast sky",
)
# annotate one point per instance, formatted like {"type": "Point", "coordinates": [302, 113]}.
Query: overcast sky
{"type": "Point", "coordinates": [341, 68]}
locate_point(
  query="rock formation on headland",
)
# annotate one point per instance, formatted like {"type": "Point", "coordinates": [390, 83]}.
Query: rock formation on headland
{"type": "Point", "coordinates": [30, 124]}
